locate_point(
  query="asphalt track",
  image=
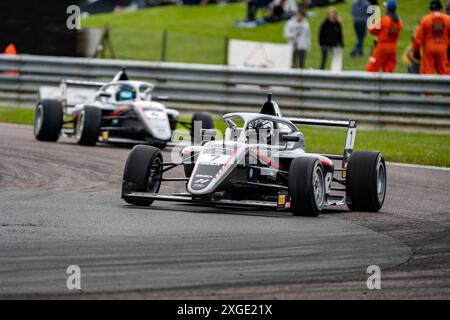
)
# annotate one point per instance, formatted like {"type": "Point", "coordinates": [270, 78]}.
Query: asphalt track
{"type": "Point", "coordinates": [60, 206]}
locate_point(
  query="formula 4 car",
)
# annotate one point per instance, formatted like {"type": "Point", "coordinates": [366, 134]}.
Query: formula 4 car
{"type": "Point", "coordinates": [262, 163]}
{"type": "Point", "coordinates": [122, 111]}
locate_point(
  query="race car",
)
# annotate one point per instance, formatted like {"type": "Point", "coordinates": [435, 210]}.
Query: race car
{"type": "Point", "coordinates": [262, 163]}
{"type": "Point", "coordinates": [122, 111]}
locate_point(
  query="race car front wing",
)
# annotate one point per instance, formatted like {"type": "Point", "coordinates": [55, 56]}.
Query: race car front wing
{"type": "Point", "coordinates": [281, 205]}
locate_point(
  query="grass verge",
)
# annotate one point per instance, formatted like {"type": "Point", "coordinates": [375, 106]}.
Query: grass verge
{"type": "Point", "coordinates": [16, 115]}
{"type": "Point", "coordinates": [405, 147]}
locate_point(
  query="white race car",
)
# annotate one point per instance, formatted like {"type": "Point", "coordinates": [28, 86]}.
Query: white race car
{"type": "Point", "coordinates": [122, 111]}
{"type": "Point", "coordinates": [262, 162]}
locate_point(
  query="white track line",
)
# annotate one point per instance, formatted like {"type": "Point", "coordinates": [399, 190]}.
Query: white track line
{"type": "Point", "coordinates": [418, 166]}
{"type": "Point", "coordinates": [16, 125]}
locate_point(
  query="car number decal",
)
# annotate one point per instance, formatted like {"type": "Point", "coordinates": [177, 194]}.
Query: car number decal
{"type": "Point", "coordinates": [349, 144]}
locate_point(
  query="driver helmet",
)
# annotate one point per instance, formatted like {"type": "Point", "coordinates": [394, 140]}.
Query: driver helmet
{"type": "Point", "coordinates": [125, 92]}
{"type": "Point", "coordinates": [264, 130]}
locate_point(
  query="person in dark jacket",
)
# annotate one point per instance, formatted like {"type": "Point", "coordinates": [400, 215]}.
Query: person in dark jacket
{"type": "Point", "coordinates": [330, 35]}
{"type": "Point", "coordinates": [253, 6]}
{"type": "Point", "coordinates": [359, 14]}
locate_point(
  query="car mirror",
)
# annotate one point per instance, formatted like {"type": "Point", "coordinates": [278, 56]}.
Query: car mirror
{"type": "Point", "coordinates": [104, 95]}
{"type": "Point", "coordinates": [162, 98]}
{"type": "Point", "coordinates": [290, 137]}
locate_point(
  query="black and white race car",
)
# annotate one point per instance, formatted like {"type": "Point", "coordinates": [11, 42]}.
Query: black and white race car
{"type": "Point", "coordinates": [121, 111]}
{"type": "Point", "coordinates": [262, 163]}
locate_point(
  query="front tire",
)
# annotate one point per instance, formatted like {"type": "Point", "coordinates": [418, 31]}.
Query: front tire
{"type": "Point", "coordinates": [87, 127]}
{"type": "Point", "coordinates": [366, 181]}
{"type": "Point", "coordinates": [48, 120]}
{"type": "Point", "coordinates": [142, 173]}
{"type": "Point", "coordinates": [306, 187]}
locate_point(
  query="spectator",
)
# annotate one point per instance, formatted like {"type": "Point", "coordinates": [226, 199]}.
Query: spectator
{"type": "Point", "coordinates": [298, 32]}
{"type": "Point", "coordinates": [11, 50]}
{"type": "Point", "coordinates": [433, 37]}
{"type": "Point", "coordinates": [281, 10]}
{"type": "Point", "coordinates": [412, 62]}
{"type": "Point", "coordinates": [447, 10]}
{"type": "Point", "coordinates": [385, 53]}
{"type": "Point", "coordinates": [253, 6]}
{"type": "Point", "coordinates": [330, 36]}
{"type": "Point", "coordinates": [359, 14]}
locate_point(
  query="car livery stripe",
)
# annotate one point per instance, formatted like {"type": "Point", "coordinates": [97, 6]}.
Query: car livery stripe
{"type": "Point", "coordinates": [118, 112]}
{"type": "Point", "coordinates": [233, 154]}
{"type": "Point", "coordinates": [326, 163]}
{"type": "Point", "coordinates": [269, 161]}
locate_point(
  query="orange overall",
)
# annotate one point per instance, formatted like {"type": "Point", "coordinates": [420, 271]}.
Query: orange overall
{"type": "Point", "coordinates": [11, 50]}
{"type": "Point", "coordinates": [448, 54]}
{"type": "Point", "coordinates": [433, 36]}
{"type": "Point", "coordinates": [384, 55]}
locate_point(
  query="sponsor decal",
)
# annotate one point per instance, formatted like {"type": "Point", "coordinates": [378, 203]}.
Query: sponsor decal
{"type": "Point", "coordinates": [284, 201]}
{"type": "Point", "coordinates": [328, 180]}
{"type": "Point", "coordinates": [281, 200]}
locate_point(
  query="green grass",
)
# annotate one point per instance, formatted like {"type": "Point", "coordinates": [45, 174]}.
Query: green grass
{"type": "Point", "coordinates": [417, 148]}
{"type": "Point", "coordinates": [15, 115]}
{"type": "Point", "coordinates": [196, 33]}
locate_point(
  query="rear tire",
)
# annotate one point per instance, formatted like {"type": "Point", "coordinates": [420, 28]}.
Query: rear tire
{"type": "Point", "coordinates": [48, 120]}
{"type": "Point", "coordinates": [206, 120]}
{"type": "Point", "coordinates": [88, 126]}
{"type": "Point", "coordinates": [366, 181]}
{"type": "Point", "coordinates": [306, 187]}
{"type": "Point", "coordinates": [141, 171]}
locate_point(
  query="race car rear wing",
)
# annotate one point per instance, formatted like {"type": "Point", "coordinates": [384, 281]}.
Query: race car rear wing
{"type": "Point", "coordinates": [79, 92]}
{"type": "Point", "coordinates": [83, 91]}
{"type": "Point", "coordinates": [350, 139]}
{"type": "Point", "coordinates": [81, 95]}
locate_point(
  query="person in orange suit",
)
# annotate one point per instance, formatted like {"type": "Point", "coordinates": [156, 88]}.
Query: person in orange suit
{"type": "Point", "coordinates": [11, 50]}
{"type": "Point", "coordinates": [384, 56]}
{"type": "Point", "coordinates": [433, 37]}
{"type": "Point", "coordinates": [447, 11]}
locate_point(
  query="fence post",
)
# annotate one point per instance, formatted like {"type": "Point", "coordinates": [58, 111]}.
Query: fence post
{"type": "Point", "coordinates": [226, 44]}
{"type": "Point", "coordinates": [164, 46]}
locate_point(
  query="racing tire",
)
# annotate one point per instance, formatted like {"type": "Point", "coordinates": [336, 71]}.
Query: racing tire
{"type": "Point", "coordinates": [141, 173]}
{"type": "Point", "coordinates": [48, 120]}
{"type": "Point", "coordinates": [207, 122]}
{"type": "Point", "coordinates": [366, 181]}
{"type": "Point", "coordinates": [173, 122]}
{"type": "Point", "coordinates": [87, 127]}
{"type": "Point", "coordinates": [306, 187]}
